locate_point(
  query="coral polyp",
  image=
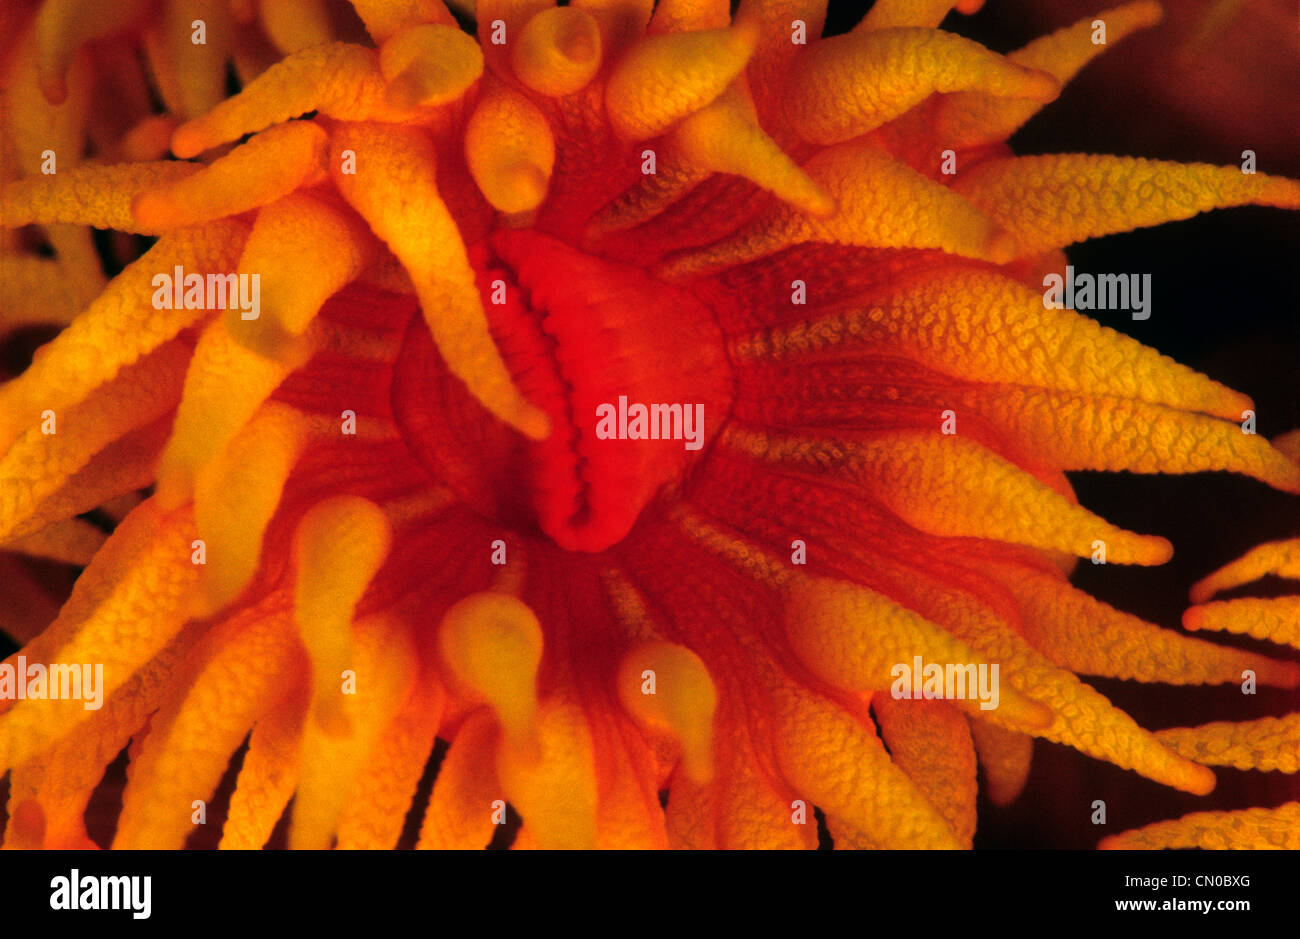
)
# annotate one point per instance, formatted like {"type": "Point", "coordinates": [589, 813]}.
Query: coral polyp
{"type": "Point", "coordinates": [622, 393]}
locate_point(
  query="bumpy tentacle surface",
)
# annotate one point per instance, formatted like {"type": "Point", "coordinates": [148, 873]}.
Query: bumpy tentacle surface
{"type": "Point", "coordinates": [385, 509]}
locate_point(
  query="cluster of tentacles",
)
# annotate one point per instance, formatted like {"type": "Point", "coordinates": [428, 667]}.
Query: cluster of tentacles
{"type": "Point", "coordinates": [378, 514]}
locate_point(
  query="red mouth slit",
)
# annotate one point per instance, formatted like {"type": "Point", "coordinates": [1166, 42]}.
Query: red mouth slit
{"type": "Point", "coordinates": [576, 331]}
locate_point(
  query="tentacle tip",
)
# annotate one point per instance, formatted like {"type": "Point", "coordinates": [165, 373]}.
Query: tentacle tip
{"type": "Point", "coordinates": [1233, 404]}
{"type": "Point", "coordinates": [820, 204]}
{"type": "Point", "coordinates": [1042, 86]}
{"type": "Point", "coordinates": [1002, 248]}
{"type": "Point", "coordinates": [150, 209]}
{"type": "Point", "coordinates": [1194, 616]}
{"type": "Point", "coordinates": [27, 826]}
{"type": "Point", "coordinates": [1280, 674]}
{"type": "Point", "coordinates": [528, 186]}
{"type": "Point", "coordinates": [174, 489]}
{"type": "Point", "coordinates": [1200, 780]}
{"type": "Point", "coordinates": [533, 423]}
{"type": "Point", "coordinates": [1148, 12]}
{"type": "Point", "coordinates": [1152, 551]}
{"type": "Point", "coordinates": [748, 31]}
{"type": "Point", "coordinates": [1111, 843]}
{"type": "Point", "coordinates": [190, 139]}
{"type": "Point", "coordinates": [1280, 192]}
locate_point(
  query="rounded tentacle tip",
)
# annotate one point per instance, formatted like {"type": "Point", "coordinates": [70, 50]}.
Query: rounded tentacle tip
{"type": "Point", "coordinates": [1041, 86]}
{"type": "Point", "coordinates": [533, 422]}
{"type": "Point", "coordinates": [1002, 248]}
{"type": "Point", "coordinates": [189, 140]}
{"type": "Point", "coordinates": [1153, 551]}
{"type": "Point", "coordinates": [1277, 674]}
{"type": "Point", "coordinates": [1200, 780]}
{"type": "Point", "coordinates": [151, 209]}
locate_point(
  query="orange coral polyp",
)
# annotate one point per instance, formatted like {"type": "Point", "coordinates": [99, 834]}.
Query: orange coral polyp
{"type": "Point", "coordinates": [585, 210]}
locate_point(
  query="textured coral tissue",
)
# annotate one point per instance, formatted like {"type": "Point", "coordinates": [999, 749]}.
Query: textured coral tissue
{"type": "Point", "coordinates": [624, 424]}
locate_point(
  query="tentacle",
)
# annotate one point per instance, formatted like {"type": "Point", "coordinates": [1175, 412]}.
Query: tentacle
{"type": "Point", "coordinates": [558, 52]}
{"type": "Point", "coordinates": [64, 26]}
{"type": "Point", "coordinates": [338, 547]}
{"type": "Point", "coordinates": [683, 703]}
{"type": "Point", "coordinates": [212, 410]}
{"type": "Point", "coordinates": [272, 164]}
{"type": "Point", "coordinates": [293, 234]}
{"type": "Point", "coordinates": [724, 137]}
{"type": "Point", "coordinates": [931, 743]}
{"type": "Point", "coordinates": [236, 495]}
{"type": "Point", "coordinates": [39, 464]}
{"type": "Point", "coordinates": [835, 760]}
{"type": "Point", "coordinates": [384, 18]}
{"type": "Point", "coordinates": [1117, 645]}
{"type": "Point", "coordinates": [1004, 756]}
{"type": "Point", "coordinates": [73, 541]}
{"type": "Point", "coordinates": [117, 329]}
{"type": "Point", "coordinates": [1085, 720]}
{"type": "Point", "coordinates": [268, 775]}
{"type": "Point", "coordinates": [668, 76]}
{"type": "Point", "coordinates": [1053, 201]}
{"type": "Point", "coordinates": [62, 779]}
{"type": "Point", "coordinates": [429, 65]}
{"type": "Point", "coordinates": [385, 665]}
{"type": "Point", "coordinates": [854, 638]}
{"type": "Point", "coordinates": [33, 292]}
{"type": "Point", "coordinates": [1280, 558]}
{"type": "Point", "coordinates": [1097, 432]}
{"type": "Point", "coordinates": [554, 786]}
{"type": "Point", "coordinates": [198, 69]}
{"type": "Point", "coordinates": [376, 811]}
{"type": "Point", "coordinates": [673, 16]}
{"type": "Point", "coordinates": [459, 815]}
{"type": "Point", "coordinates": [510, 150]}
{"type": "Point", "coordinates": [339, 80]}
{"type": "Point", "coordinates": [295, 24]}
{"type": "Point", "coordinates": [882, 203]}
{"type": "Point", "coordinates": [980, 325]}
{"type": "Point", "coordinates": [952, 486]}
{"type": "Point", "coordinates": [90, 194]}
{"type": "Point", "coordinates": [1249, 829]}
{"type": "Point", "coordinates": [422, 233]}
{"type": "Point", "coordinates": [123, 611]}
{"type": "Point", "coordinates": [848, 85]}
{"type": "Point", "coordinates": [244, 668]}
{"type": "Point", "coordinates": [1269, 744]}
{"type": "Point", "coordinates": [1277, 619]}
{"type": "Point", "coordinates": [887, 14]}
{"type": "Point", "coordinates": [970, 118]}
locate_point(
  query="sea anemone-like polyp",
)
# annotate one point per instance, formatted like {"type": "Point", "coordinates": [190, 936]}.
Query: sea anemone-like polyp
{"type": "Point", "coordinates": [627, 393]}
